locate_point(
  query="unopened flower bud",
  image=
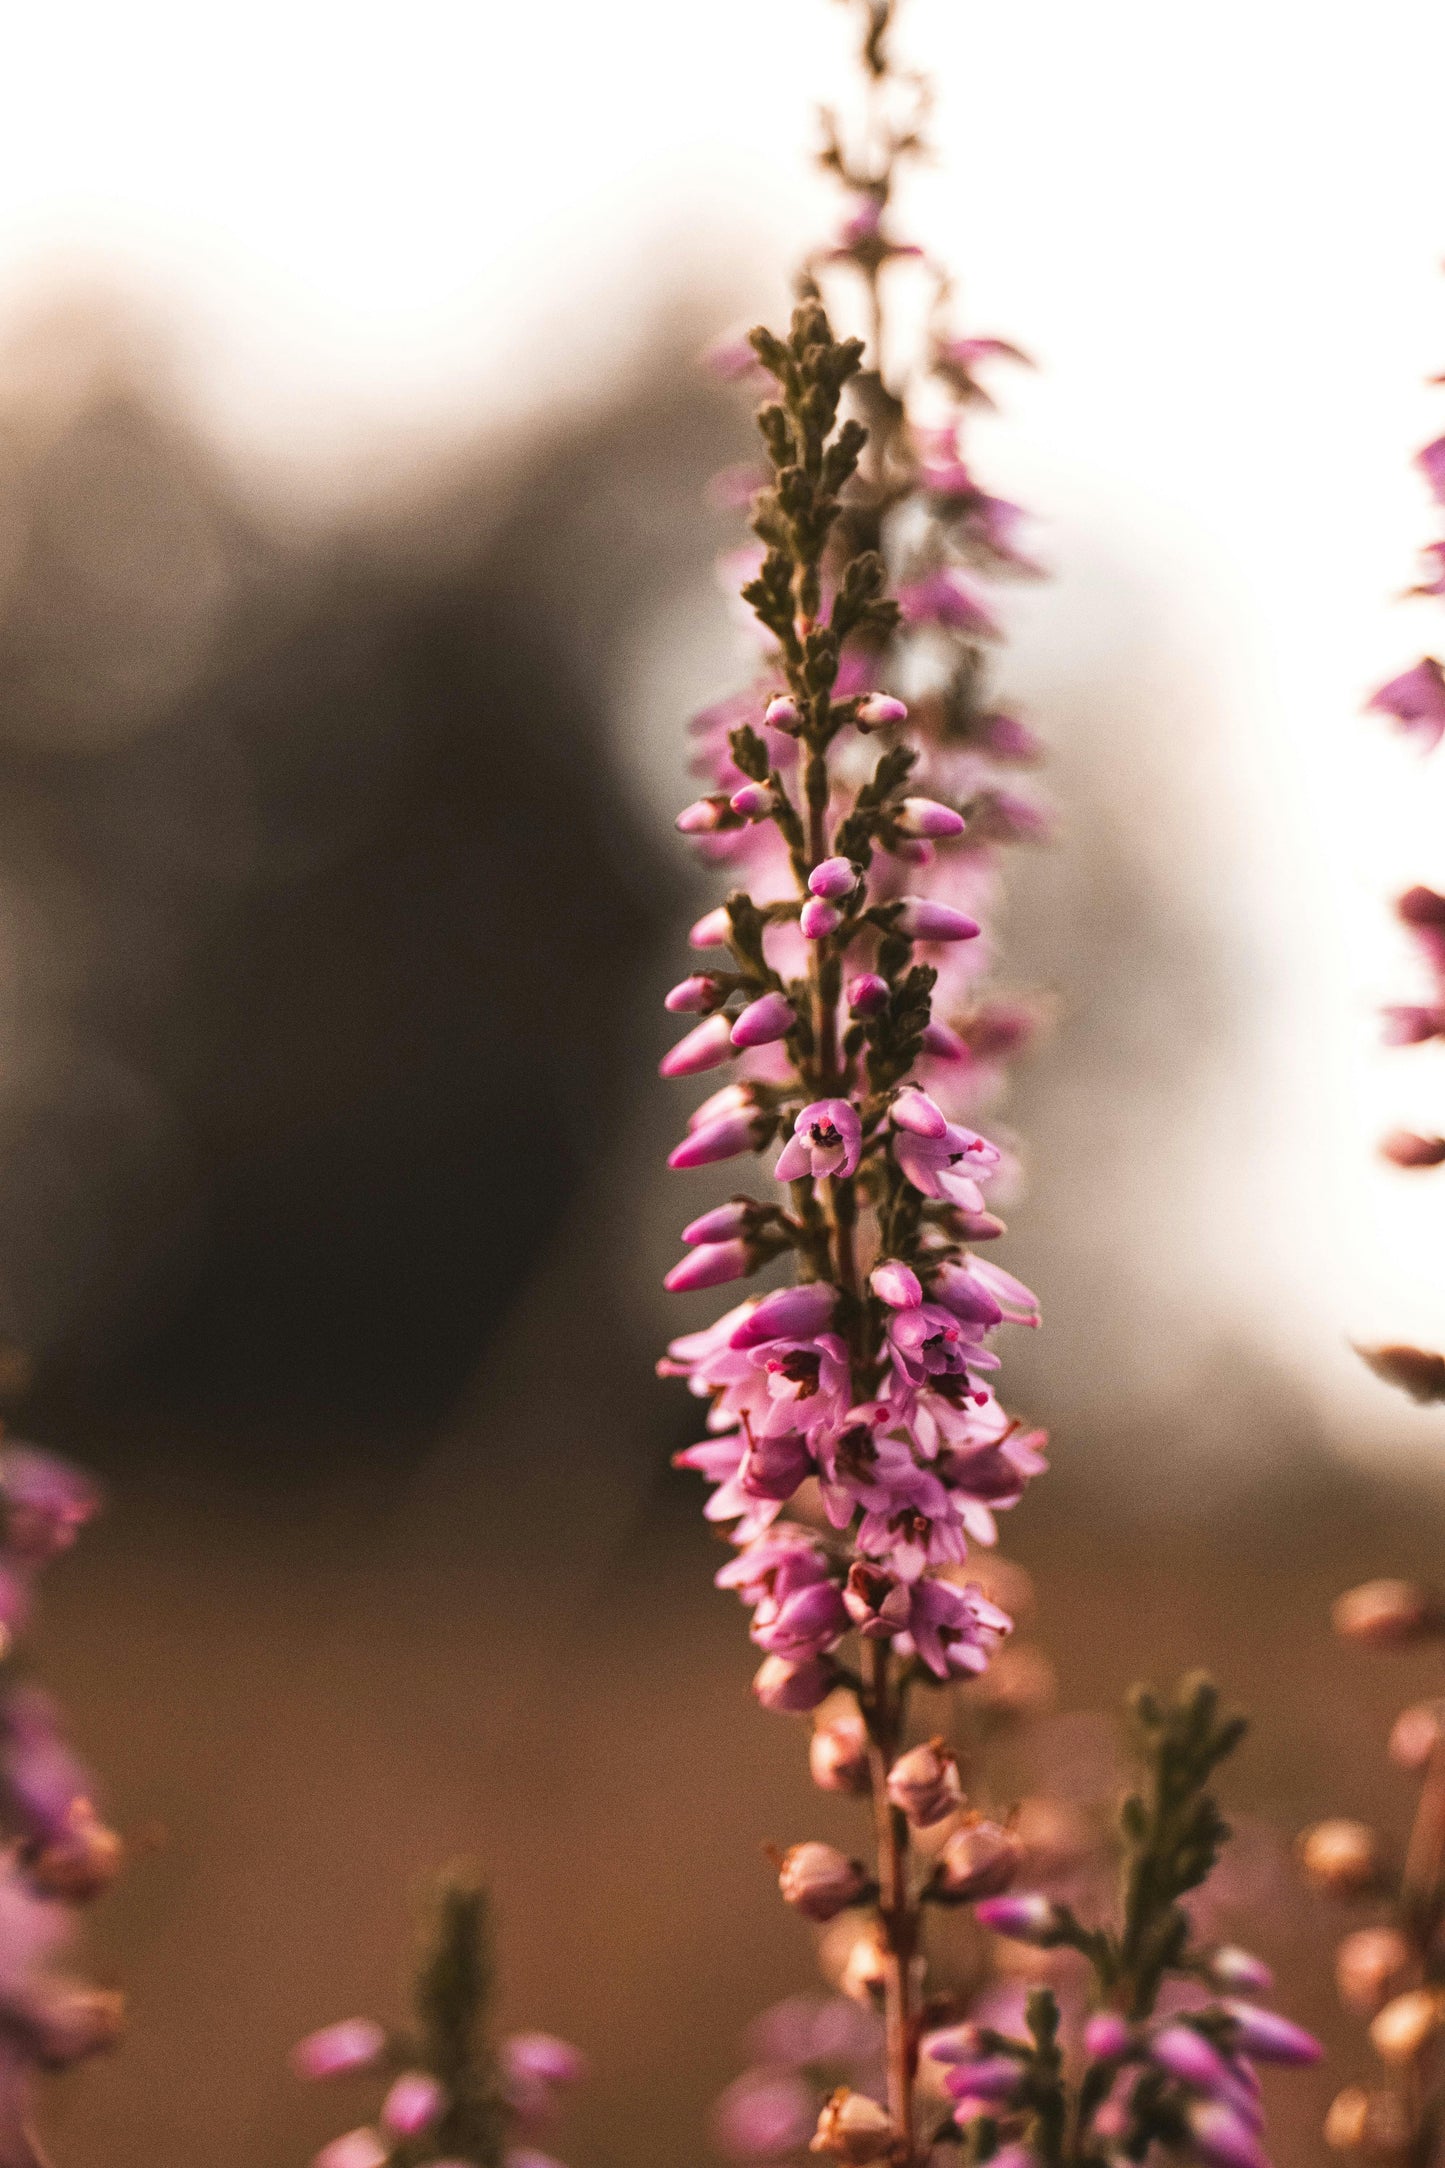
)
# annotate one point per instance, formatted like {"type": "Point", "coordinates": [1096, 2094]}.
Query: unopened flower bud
{"type": "Point", "coordinates": [781, 713]}
{"type": "Point", "coordinates": [1406, 2025]}
{"type": "Point", "coordinates": [944, 1043]}
{"type": "Point", "coordinates": [926, 817]}
{"type": "Point", "coordinates": [924, 1784]}
{"type": "Point", "coordinates": [867, 994]}
{"type": "Point", "coordinates": [358, 2149]}
{"type": "Point", "coordinates": [1388, 1615]}
{"type": "Point", "coordinates": [833, 879]}
{"type": "Point", "coordinates": [81, 1859]}
{"type": "Point", "coordinates": [820, 1881]}
{"type": "Point", "coordinates": [838, 1755]}
{"type": "Point", "coordinates": [1031, 1919]}
{"type": "Point", "coordinates": [788, 1688]}
{"type": "Point", "coordinates": [694, 996]}
{"type": "Point", "coordinates": [710, 1264]}
{"type": "Point", "coordinates": [921, 919]}
{"type": "Point", "coordinates": [896, 1284]}
{"type": "Point", "coordinates": [357, 2043]}
{"type": "Point", "coordinates": [853, 2129]}
{"type": "Point", "coordinates": [754, 802]}
{"type": "Point", "coordinates": [876, 711]}
{"type": "Point", "coordinates": [1267, 2037]}
{"type": "Point", "coordinates": [1370, 1966]}
{"type": "Point", "coordinates": [979, 1860]}
{"type": "Point", "coordinates": [1341, 1858]}
{"type": "Point", "coordinates": [712, 930]}
{"type": "Point", "coordinates": [914, 1111]}
{"type": "Point", "coordinates": [707, 1044]}
{"type": "Point", "coordinates": [1377, 2124]}
{"type": "Point", "coordinates": [768, 1018]}
{"type": "Point", "coordinates": [723, 1223]}
{"type": "Point", "coordinates": [1107, 2037]}
{"type": "Point", "coordinates": [1415, 1735]}
{"type": "Point", "coordinates": [1220, 2137]}
{"type": "Point", "coordinates": [818, 919]}
{"type": "Point", "coordinates": [722, 1138]}
{"type": "Point", "coordinates": [413, 2103]}
{"type": "Point", "coordinates": [1404, 1149]}
{"type": "Point", "coordinates": [878, 1603]}
{"type": "Point", "coordinates": [702, 817]}
{"type": "Point", "coordinates": [1240, 1971]}
{"type": "Point", "coordinates": [914, 850]}
{"type": "Point", "coordinates": [994, 2078]}
{"type": "Point", "coordinates": [1190, 2058]}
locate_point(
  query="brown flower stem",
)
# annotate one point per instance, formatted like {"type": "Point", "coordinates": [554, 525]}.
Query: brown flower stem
{"type": "Point", "coordinates": [897, 1915]}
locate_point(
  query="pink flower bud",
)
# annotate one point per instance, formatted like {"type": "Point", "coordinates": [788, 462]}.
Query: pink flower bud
{"type": "Point", "coordinates": [722, 1223]}
{"type": "Point", "coordinates": [818, 919]}
{"type": "Point", "coordinates": [833, 879]}
{"type": "Point", "coordinates": [539, 2058]}
{"type": "Point", "coordinates": [926, 817]}
{"type": "Point", "coordinates": [1221, 2137]}
{"type": "Point", "coordinates": [1232, 1967]}
{"type": "Point", "coordinates": [1388, 1615]}
{"type": "Point", "coordinates": [924, 1784]}
{"type": "Point", "coordinates": [788, 1314]}
{"type": "Point", "coordinates": [700, 818]}
{"type": "Point", "coordinates": [924, 920]}
{"type": "Point", "coordinates": [914, 1111]}
{"type": "Point", "coordinates": [712, 930]}
{"type": "Point", "coordinates": [820, 1881]}
{"type": "Point", "coordinates": [855, 2130]}
{"type": "Point", "coordinates": [357, 2043]}
{"type": "Point", "coordinates": [1371, 1966]}
{"type": "Point", "coordinates": [1030, 1919]}
{"type": "Point", "coordinates": [754, 802]}
{"type": "Point", "coordinates": [979, 1860]}
{"type": "Point", "coordinates": [838, 1755]}
{"type": "Point", "coordinates": [413, 2103]}
{"type": "Point", "coordinates": [781, 712]}
{"type": "Point", "coordinates": [943, 1043]}
{"type": "Point", "coordinates": [867, 995]}
{"type": "Point", "coordinates": [769, 1017]}
{"type": "Point", "coordinates": [995, 2078]}
{"type": "Point", "coordinates": [789, 1688]}
{"type": "Point", "coordinates": [358, 2149]}
{"type": "Point", "coordinates": [694, 996]}
{"type": "Point", "coordinates": [709, 1264]}
{"type": "Point", "coordinates": [735, 1098]}
{"type": "Point", "coordinates": [1404, 1149]}
{"type": "Point", "coordinates": [1270, 2038]}
{"type": "Point", "coordinates": [707, 1044]}
{"type": "Point", "coordinates": [1106, 2037]}
{"type": "Point", "coordinates": [1188, 2056]}
{"type": "Point", "coordinates": [723, 1138]}
{"type": "Point", "coordinates": [896, 1285]}
{"type": "Point", "coordinates": [1415, 1735]}
{"type": "Point", "coordinates": [877, 710]}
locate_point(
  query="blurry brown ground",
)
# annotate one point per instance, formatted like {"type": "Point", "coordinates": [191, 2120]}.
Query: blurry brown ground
{"type": "Point", "coordinates": [330, 954]}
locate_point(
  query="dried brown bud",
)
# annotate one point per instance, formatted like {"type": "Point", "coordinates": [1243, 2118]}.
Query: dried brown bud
{"type": "Point", "coordinates": [1415, 1735]}
{"type": "Point", "coordinates": [854, 2129]}
{"type": "Point", "coordinates": [820, 1880]}
{"type": "Point", "coordinates": [1341, 1858]}
{"type": "Point", "coordinates": [1407, 2025]}
{"type": "Point", "coordinates": [1388, 1615]}
{"type": "Point", "coordinates": [838, 1755]}
{"type": "Point", "coordinates": [979, 1860]}
{"type": "Point", "coordinates": [1370, 1966]}
{"type": "Point", "coordinates": [925, 1785]}
{"type": "Point", "coordinates": [1361, 2122]}
{"type": "Point", "coordinates": [82, 1861]}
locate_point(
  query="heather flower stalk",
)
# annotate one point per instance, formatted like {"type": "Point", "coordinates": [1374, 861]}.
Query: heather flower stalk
{"type": "Point", "coordinates": [451, 2099]}
{"type": "Point", "coordinates": [855, 1445]}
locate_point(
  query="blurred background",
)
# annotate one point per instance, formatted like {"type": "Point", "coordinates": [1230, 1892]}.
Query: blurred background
{"type": "Point", "coordinates": [355, 585]}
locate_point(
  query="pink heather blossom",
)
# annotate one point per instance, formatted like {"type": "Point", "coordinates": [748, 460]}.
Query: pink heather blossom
{"type": "Point", "coordinates": [896, 1284]}
{"type": "Point", "coordinates": [878, 1602]}
{"type": "Point", "coordinates": [1431, 462]}
{"type": "Point", "coordinates": [926, 817]}
{"type": "Point", "coordinates": [789, 1313]}
{"type": "Point", "coordinates": [356, 2043]}
{"type": "Point", "coordinates": [723, 1223]}
{"type": "Point", "coordinates": [945, 598]}
{"type": "Point", "coordinates": [867, 994]}
{"type": "Point", "coordinates": [1007, 738]}
{"type": "Point", "coordinates": [950, 1166]}
{"type": "Point", "coordinates": [914, 1111]}
{"type": "Point", "coordinates": [701, 817]}
{"type": "Point", "coordinates": [954, 1630]}
{"type": "Point", "coordinates": [833, 879]}
{"type": "Point", "coordinates": [709, 1264]}
{"type": "Point", "coordinates": [1269, 2038]}
{"type": "Point", "coordinates": [1416, 700]}
{"type": "Point", "coordinates": [1031, 1918]}
{"type": "Point", "coordinates": [723, 1138]}
{"type": "Point", "coordinates": [693, 996]}
{"type": "Point", "coordinates": [923, 918]}
{"type": "Point", "coordinates": [942, 1043]}
{"type": "Point", "coordinates": [1411, 1026]}
{"type": "Point", "coordinates": [876, 711]}
{"type": "Point", "coordinates": [781, 712]}
{"type": "Point", "coordinates": [997, 2079]}
{"type": "Point", "coordinates": [413, 2103]}
{"type": "Point", "coordinates": [827, 1140]}
{"type": "Point", "coordinates": [707, 1044]}
{"type": "Point", "coordinates": [1107, 2037]}
{"type": "Point", "coordinates": [807, 1622]}
{"type": "Point", "coordinates": [712, 930]}
{"type": "Point", "coordinates": [358, 2149]}
{"type": "Point", "coordinates": [1221, 2138]}
{"type": "Point", "coordinates": [790, 1688]}
{"type": "Point", "coordinates": [765, 2115]}
{"type": "Point", "coordinates": [928, 1341]}
{"type": "Point", "coordinates": [769, 1017]}
{"type": "Point", "coordinates": [818, 918]}
{"type": "Point", "coordinates": [754, 802]}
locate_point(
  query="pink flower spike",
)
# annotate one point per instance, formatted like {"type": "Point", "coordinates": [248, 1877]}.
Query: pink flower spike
{"type": "Point", "coordinates": [413, 2103]}
{"type": "Point", "coordinates": [915, 1111]}
{"type": "Point", "coordinates": [926, 817]}
{"type": "Point", "coordinates": [922, 919]}
{"type": "Point", "coordinates": [711, 930]}
{"type": "Point", "coordinates": [818, 919]}
{"type": "Point", "coordinates": [694, 996]}
{"type": "Point", "coordinates": [1416, 701]}
{"type": "Point", "coordinates": [792, 1313]}
{"type": "Point", "coordinates": [769, 1017]}
{"type": "Point", "coordinates": [709, 1264]}
{"type": "Point", "coordinates": [704, 1047]}
{"type": "Point", "coordinates": [781, 712]}
{"type": "Point", "coordinates": [722, 1224]}
{"type": "Point", "coordinates": [877, 710]}
{"type": "Point", "coordinates": [833, 879]}
{"type": "Point", "coordinates": [896, 1285]}
{"type": "Point", "coordinates": [1431, 463]}
{"type": "Point", "coordinates": [356, 2043]}
{"type": "Point", "coordinates": [720, 1139]}
{"type": "Point", "coordinates": [827, 1140]}
{"type": "Point", "coordinates": [754, 802]}
{"type": "Point", "coordinates": [867, 995]}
